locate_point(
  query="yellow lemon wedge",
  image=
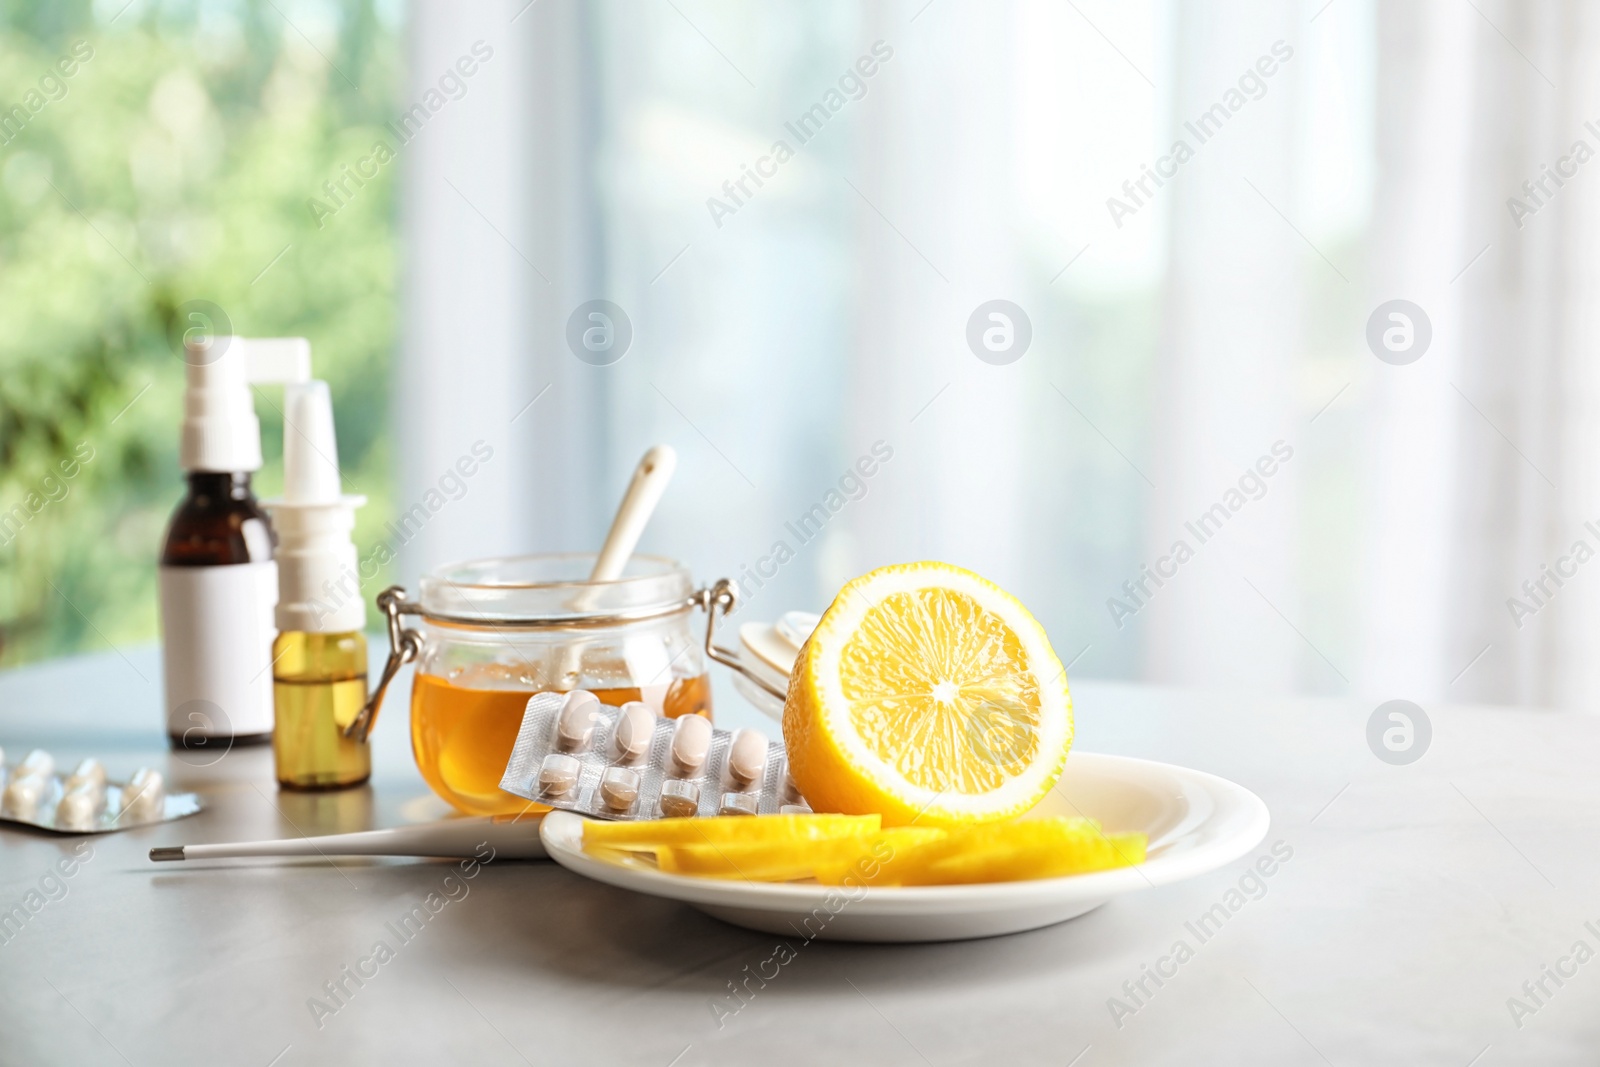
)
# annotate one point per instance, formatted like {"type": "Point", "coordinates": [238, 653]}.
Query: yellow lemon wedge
{"type": "Point", "coordinates": [835, 861]}
{"type": "Point", "coordinates": [928, 695]}
{"type": "Point", "coordinates": [1011, 852]}
{"type": "Point", "coordinates": [847, 850]}
{"type": "Point", "coordinates": [743, 830]}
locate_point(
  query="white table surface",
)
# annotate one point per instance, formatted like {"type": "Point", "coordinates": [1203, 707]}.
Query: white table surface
{"type": "Point", "coordinates": [1417, 901]}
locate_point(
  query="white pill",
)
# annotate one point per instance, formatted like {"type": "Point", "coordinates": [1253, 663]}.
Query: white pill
{"type": "Point", "coordinates": [558, 774]}
{"type": "Point", "coordinates": [37, 764]}
{"type": "Point", "coordinates": [580, 710]}
{"type": "Point", "coordinates": [793, 809]}
{"type": "Point", "coordinates": [679, 800]}
{"type": "Point", "coordinates": [143, 796]}
{"type": "Point", "coordinates": [747, 756]}
{"type": "Point", "coordinates": [80, 809]}
{"type": "Point", "coordinates": [739, 804]}
{"type": "Point", "coordinates": [636, 726]}
{"type": "Point", "coordinates": [22, 797]}
{"type": "Point", "coordinates": [619, 788]}
{"type": "Point", "coordinates": [791, 792]}
{"type": "Point", "coordinates": [691, 741]}
{"type": "Point", "coordinates": [90, 771]}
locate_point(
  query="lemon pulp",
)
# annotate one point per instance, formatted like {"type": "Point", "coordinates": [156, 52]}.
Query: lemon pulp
{"type": "Point", "coordinates": [940, 689]}
{"type": "Point", "coordinates": [927, 695]}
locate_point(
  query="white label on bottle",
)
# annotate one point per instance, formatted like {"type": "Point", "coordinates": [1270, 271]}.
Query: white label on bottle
{"type": "Point", "coordinates": [216, 646]}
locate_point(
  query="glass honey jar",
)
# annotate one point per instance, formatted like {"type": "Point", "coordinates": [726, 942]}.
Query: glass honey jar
{"type": "Point", "coordinates": [494, 632]}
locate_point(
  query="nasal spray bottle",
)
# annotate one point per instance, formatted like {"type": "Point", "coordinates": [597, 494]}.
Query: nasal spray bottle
{"type": "Point", "coordinates": [319, 660]}
{"type": "Point", "coordinates": [217, 577]}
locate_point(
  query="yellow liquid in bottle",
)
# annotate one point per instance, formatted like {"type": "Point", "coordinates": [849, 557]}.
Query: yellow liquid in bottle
{"type": "Point", "coordinates": [319, 684]}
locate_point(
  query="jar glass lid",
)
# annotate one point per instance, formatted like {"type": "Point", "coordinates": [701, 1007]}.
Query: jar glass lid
{"type": "Point", "coordinates": [554, 589]}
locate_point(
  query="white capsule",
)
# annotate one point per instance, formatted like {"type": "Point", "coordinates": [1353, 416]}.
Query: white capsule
{"type": "Point", "coordinates": [36, 764]}
{"type": "Point", "coordinates": [80, 809]}
{"type": "Point", "coordinates": [558, 774]}
{"type": "Point", "coordinates": [619, 788]}
{"type": "Point", "coordinates": [679, 799]}
{"type": "Point", "coordinates": [636, 726]}
{"type": "Point", "coordinates": [143, 796]}
{"type": "Point", "coordinates": [580, 710]}
{"type": "Point", "coordinates": [21, 797]}
{"type": "Point", "coordinates": [739, 804]}
{"type": "Point", "coordinates": [691, 741]}
{"type": "Point", "coordinates": [90, 771]}
{"type": "Point", "coordinates": [747, 756]}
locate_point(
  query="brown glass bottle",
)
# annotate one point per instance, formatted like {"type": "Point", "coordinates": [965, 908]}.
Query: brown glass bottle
{"type": "Point", "coordinates": [218, 523]}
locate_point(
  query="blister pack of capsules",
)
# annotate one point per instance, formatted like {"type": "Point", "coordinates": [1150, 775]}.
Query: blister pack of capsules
{"type": "Point", "coordinates": [86, 801]}
{"type": "Point", "coordinates": [578, 754]}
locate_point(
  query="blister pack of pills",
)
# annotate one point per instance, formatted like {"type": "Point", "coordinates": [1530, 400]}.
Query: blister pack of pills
{"type": "Point", "coordinates": [85, 801]}
{"type": "Point", "coordinates": [578, 754]}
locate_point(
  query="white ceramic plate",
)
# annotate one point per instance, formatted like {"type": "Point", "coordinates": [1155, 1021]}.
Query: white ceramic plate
{"type": "Point", "coordinates": [1196, 822]}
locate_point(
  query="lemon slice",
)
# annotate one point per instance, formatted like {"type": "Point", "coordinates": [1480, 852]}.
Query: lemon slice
{"type": "Point", "coordinates": [835, 861]}
{"type": "Point", "coordinates": [649, 834]}
{"type": "Point", "coordinates": [909, 855]}
{"type": "Point", "coordinates": [927, 694]}
{"type": "Point", "coordinates": [1011, 852]}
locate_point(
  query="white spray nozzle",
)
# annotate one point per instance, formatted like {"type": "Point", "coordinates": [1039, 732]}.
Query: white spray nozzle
{"type": "Point", "coordinates": [318, 584]}
{"type": "Point", "coordinates": [220, 428]}
{"type": "Point", "coordinates": [310, 453]}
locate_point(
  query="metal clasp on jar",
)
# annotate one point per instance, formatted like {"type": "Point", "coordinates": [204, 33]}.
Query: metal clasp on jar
{"type": "Point", "coordinates": [405, 645]}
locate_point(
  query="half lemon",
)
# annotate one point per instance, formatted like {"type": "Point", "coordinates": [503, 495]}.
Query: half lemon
{"type": "Point", "coordinates": [927, 695]}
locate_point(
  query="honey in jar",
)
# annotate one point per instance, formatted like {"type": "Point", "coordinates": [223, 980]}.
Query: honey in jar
{"type": "Point", "coordinates": [462, 735]}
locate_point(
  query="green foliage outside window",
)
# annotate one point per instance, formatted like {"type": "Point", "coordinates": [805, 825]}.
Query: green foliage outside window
{"type": "Point", "coordinates": [174, 163]}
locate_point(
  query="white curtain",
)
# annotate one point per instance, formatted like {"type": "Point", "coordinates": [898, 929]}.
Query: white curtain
{"type": "Point", "coordinates": [500, 231]}
{"type": "Point", "coordinates": [1175, 351]}
{"type": "Point", "coordinates": [934, 229]}
{"type": "Point", "coordinates": [1230, 342]}
{"type": "Point", "coordinates": [463, 371]}
{"type": "Point", "coordinates": [1483, 452]}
